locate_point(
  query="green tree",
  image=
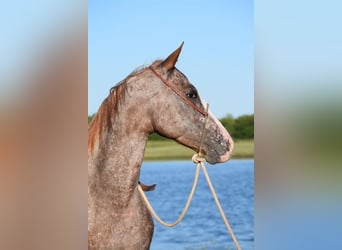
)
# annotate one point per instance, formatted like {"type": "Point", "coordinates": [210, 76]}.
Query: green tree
{"type": "Point", "coordinates": [229, 123]}
{"type": "Point", "coordinates": [244, 127]}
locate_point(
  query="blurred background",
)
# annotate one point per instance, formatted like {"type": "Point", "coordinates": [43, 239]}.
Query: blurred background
{"type": "Point", "coordinates": [298, 125]}
{"type": "Point", "coordinates": [43, 133]}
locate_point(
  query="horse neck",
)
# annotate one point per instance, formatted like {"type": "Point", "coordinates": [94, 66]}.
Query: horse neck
{"type": "Point", "coordinates": [114, 164]}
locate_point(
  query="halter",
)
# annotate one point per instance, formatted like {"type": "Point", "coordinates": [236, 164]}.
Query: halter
{"type": "Point", "coordinates": [180, 94]}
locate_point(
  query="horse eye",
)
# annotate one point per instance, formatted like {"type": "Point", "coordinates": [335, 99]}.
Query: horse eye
{"type": "Point", "coordinates": [192, 94]}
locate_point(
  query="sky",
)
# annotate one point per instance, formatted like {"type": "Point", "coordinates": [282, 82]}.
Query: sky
{"type": "Point", "coordinates": [217, 56]}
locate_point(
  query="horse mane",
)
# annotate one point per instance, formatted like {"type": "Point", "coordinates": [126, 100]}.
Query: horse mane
{"type": "Point", "coordinates": [108, 110]}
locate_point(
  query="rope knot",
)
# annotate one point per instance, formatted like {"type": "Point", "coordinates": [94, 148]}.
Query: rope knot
{"type": "Point", "coordinates": [197, 158]}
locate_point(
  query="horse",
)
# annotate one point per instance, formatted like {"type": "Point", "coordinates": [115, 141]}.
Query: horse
{"type": "Point", "coordinates": [156, 98]}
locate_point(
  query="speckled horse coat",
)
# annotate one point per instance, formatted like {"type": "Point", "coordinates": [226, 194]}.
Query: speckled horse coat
{"type": "Point", "coordinates": [138, 106]}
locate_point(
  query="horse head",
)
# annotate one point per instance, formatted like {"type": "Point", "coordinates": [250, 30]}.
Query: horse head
{"type": "Point", "coordinates": [179, 113]}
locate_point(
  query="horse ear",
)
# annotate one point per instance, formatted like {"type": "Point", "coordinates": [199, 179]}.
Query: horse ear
{"type": "Point", "coordinates": [170, 61]}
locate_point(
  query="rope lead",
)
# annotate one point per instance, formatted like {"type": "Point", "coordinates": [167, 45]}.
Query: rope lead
{"type": "Point", "coordinates": [198, 159]}
{"type": "Point", "coordinates": [218, 204]}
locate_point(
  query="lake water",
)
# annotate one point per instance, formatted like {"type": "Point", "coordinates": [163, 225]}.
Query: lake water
{"type": "Point", "coordinates": [202, 227]}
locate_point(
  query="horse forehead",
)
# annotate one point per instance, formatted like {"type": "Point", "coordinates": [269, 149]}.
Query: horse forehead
{"type": "Point", "coordinates": [178, 78]}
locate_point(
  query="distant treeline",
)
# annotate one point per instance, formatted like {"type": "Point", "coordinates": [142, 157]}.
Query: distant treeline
{"type": "Point", "coordinates": [241, 127]}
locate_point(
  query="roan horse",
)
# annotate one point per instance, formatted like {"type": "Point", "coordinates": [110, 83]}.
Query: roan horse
{"type": "Point", "coordinates": [152, 99]}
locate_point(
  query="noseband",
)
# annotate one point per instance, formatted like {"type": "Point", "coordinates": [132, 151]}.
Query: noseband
{"type": "Point", "coordinates": [180, 94]}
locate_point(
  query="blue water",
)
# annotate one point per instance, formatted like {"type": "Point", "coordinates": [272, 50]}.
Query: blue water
{"type": "Point", "coordinates": [202, 227]}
